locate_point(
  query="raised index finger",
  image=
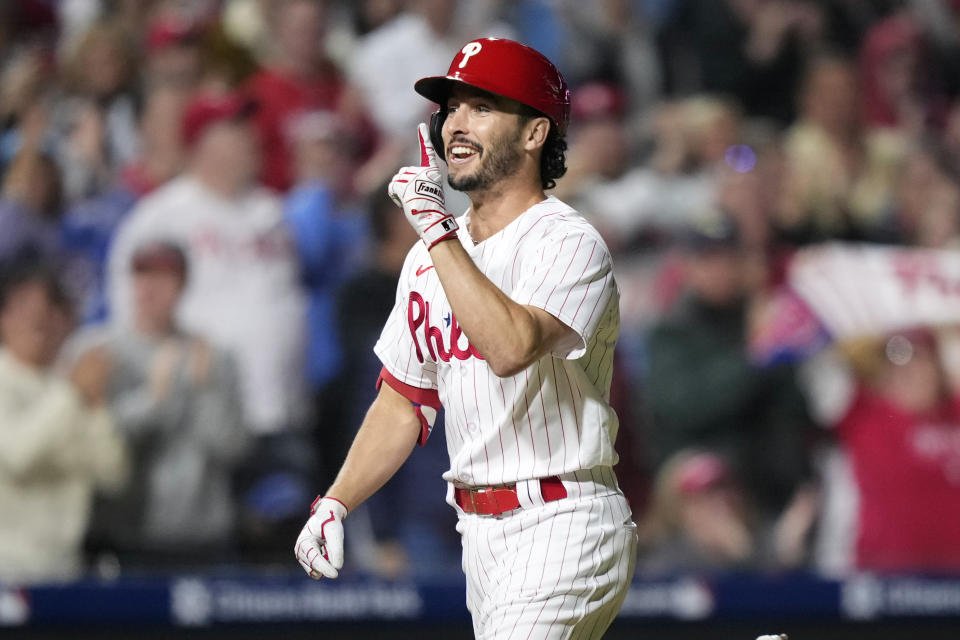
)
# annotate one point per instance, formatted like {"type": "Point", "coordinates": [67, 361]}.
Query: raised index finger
{"type": "Point", "coordinates": [428, 156]}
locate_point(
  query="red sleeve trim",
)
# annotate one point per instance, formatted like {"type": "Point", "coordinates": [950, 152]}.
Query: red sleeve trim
{"type": "Point", "coordinates": [429, 397]}
{"type": "Point", "coordinates": [425, 427]}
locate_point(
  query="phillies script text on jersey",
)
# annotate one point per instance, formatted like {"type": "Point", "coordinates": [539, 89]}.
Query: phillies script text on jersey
{"type": "Point", "coordinates": [418, 316]}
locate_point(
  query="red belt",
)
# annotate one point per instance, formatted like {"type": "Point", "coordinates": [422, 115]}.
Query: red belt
{"type": "Point", "coordinates": [492, 501]}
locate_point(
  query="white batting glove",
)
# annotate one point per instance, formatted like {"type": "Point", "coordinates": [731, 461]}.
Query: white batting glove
{"type": "Point", "coordinates": [419, 192]}
{"type": "Point", "coordinates": [319, 548]}
{"type": "Point", "coordinates": [776, 636]}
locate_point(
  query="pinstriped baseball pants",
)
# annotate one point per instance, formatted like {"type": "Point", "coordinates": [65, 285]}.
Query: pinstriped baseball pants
{"type": "Point", "coordinates": [554, 570]}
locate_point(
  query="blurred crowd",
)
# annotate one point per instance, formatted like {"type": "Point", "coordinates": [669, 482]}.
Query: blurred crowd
{"type": "Point", "coordinates": [197, 254]}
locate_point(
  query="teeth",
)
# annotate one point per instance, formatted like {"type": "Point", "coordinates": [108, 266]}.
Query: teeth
{"type": "Point", "coordinates": [461, 151]}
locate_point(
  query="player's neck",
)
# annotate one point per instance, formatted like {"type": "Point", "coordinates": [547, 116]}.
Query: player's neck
{"type": "Point", "coordinates": [495, 208]}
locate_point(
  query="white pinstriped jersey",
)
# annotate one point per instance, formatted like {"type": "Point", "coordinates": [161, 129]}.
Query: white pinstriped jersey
{"type": "Point", "coordinates": [552, 418]}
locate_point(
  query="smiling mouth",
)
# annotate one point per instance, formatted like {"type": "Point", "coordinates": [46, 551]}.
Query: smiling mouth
{"type": "Point", "coordinates": [460, 153]}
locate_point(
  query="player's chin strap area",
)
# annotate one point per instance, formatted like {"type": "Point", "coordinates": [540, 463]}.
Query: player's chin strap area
{"type": "Point", "coordinates": [437, 118]}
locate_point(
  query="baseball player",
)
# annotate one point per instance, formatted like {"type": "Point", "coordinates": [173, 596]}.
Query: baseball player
{"type": "Point", "coordinates": [507, 317]}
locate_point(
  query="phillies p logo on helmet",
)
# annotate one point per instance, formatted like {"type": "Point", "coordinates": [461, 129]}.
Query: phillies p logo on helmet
{"type": "Point", "coordinates": [470, 49]}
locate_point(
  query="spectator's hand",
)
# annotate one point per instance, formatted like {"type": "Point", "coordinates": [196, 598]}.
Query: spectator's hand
{"type": "Point", "coordinates": [33, 126]}
{"type": "Point", "coordinates": [769, 26]}
{"type": "Point", "coordinates": [793, 527]}
{"type": "Point", "coordinates": [319, 548]}
{"type": "Point", "coordinates": [671, 141]}
{"type": "Point", "coordinates": [419, 192]}
{"type": "Point", "coordinates": [201, 357]}
{"type": "Point", "coordinates": [87, 137]}
{"type": "Point", "coordinates": [162, 369]}
{"type": "Point", "coordinates": [717, 528]}
{"type": "Point", "coordinates": [90, 374]}
{"type": "Point", "coordinates": [20, 84]}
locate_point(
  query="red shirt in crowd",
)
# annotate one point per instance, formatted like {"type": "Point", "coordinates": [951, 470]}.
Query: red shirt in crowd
{"type": "Point", "coordinates": [907, 468]}
{"type": "Point", "coordinates": [281, 98]}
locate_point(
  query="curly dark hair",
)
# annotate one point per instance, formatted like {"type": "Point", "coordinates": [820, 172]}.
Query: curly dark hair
{"type": "Point", "coordinates": [553, 162]}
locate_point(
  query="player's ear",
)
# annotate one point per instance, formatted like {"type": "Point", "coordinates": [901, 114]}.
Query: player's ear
{"type": "Point", "coordinates": [535, 133]}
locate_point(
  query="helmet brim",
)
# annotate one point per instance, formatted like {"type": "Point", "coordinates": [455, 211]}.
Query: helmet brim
{"type": "Point", "coordinates": [435, 88]}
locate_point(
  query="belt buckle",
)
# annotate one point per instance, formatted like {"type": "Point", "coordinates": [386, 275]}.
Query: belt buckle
{"type": "Point", "coordinates": [473, 503]}
{"type": "Point", "coordinates": [480, 492]}
{"type": "Point", "coordinates": [491, 490]}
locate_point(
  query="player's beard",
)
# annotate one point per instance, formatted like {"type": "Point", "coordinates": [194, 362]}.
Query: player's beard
{"type": "Point", "coordinates": [499, 159]}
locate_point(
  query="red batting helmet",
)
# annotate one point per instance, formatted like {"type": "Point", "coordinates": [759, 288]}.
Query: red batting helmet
{"type": "Point", "coordinates": [509, 69]}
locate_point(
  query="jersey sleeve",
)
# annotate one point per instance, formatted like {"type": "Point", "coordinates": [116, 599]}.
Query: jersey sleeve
{"type": "Point", "coordinates": [395, 347]}
{"type": "Point", "coordinates": [570, 276]}
{"type": "Point", "coordinates": [402, 369]}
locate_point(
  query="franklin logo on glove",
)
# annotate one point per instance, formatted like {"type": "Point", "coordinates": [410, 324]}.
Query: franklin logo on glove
{"type": "Point", "coordinates": [425, 188]}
